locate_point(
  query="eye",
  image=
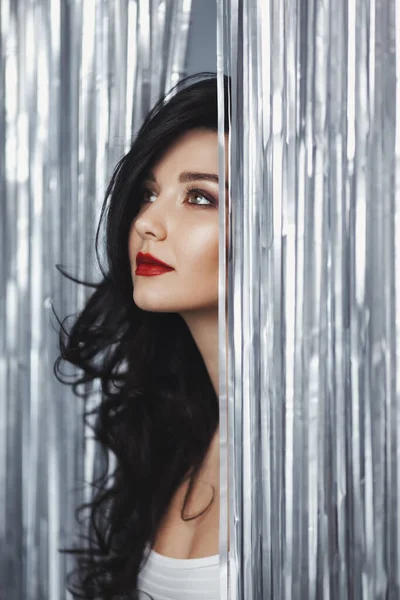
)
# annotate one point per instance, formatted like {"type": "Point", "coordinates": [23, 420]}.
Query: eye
{"type": "Point", "coordinates": [200, 197]}
{"type": "Point", "coordinates": [206, 200]}
{"type": "Point", "coordinates": [146, 195]}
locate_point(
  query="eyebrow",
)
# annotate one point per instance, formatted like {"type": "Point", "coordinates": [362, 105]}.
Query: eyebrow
{"type": "Point", "coordinates": [187, 176]}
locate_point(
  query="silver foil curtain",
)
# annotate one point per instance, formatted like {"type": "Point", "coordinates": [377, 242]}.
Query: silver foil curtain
{"type": "Point", "coordinates": [76, 79]}
{"type": "Point", "coordinates": [313, 382]}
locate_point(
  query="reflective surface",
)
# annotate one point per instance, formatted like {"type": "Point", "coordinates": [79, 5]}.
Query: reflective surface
{"type": "Point", "coordinates": [77, 78]}
{"type": "Point", "coordinates": [313, 386]}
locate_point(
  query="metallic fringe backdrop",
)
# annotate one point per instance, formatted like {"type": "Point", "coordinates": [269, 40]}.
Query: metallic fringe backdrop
{"type": "Point", "coordinates": [76, 77]}
{"type": "Point", "coordinates": [314, 304]}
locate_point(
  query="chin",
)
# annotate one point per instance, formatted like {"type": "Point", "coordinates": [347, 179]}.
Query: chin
{"type": "Point", "coordinates": [152, 304]}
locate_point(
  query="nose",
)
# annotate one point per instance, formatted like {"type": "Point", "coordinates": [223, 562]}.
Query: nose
{"type": "Point", "coordinates": [152, 222]}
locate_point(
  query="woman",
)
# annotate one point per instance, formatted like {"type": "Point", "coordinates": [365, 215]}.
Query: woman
{"type": "Point", "coordinates": [149, 333]}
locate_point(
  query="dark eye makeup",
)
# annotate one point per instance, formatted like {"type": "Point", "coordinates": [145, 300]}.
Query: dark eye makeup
{"type": "Point", "coordinates": [193, 191]}
{"type": "Point", "coordinates": [189, 191]}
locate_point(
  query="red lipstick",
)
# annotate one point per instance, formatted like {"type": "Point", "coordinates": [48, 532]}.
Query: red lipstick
{"type": "Point", "coordinates": [147, 264]}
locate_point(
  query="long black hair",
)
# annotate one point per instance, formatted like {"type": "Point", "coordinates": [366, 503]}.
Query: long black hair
{"type": "Point", "coordinates": [158, 411]}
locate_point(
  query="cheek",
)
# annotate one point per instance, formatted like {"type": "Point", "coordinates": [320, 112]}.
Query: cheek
{"type": "Point", "coordinates": [201, 249]}
{"type": "Point", "coordinates": [133, 244]}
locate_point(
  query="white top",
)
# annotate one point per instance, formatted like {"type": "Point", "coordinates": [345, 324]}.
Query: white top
{"type": "Point", "coordinates": [166, 578]}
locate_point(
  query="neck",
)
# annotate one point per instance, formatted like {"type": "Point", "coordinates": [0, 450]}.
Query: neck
{"type": "Point", "coordinates": [204, 329]}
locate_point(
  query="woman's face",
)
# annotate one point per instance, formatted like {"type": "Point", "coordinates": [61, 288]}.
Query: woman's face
{"type": "Point", "coordinates": [178, 223]}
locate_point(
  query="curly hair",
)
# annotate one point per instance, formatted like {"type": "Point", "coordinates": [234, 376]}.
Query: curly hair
{"type": "Point", "coordinates": [158, 410]}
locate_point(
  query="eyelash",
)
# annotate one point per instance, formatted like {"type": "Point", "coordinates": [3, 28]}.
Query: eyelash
{"type": "Point", "coordinates": [191, 191]}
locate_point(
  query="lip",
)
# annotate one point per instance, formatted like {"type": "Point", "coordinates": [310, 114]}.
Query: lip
{"type": "Point", "coordinates": [149, 259]}
{"type": "Point", "coordinates": [150, 270]}
{"type": "Point", "coordinates": [148, 265]}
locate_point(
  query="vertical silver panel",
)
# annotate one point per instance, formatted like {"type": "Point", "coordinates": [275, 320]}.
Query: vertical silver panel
{"type": "Point", "coordinates": [76, 79]}
{"type": "Point", "coordinates": [313, 385]}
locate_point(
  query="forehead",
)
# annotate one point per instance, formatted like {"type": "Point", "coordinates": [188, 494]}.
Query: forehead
{"type": "Point", "coordinates": [196, 151]}
{"type": "Point", "coordinates": [190, 151]}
